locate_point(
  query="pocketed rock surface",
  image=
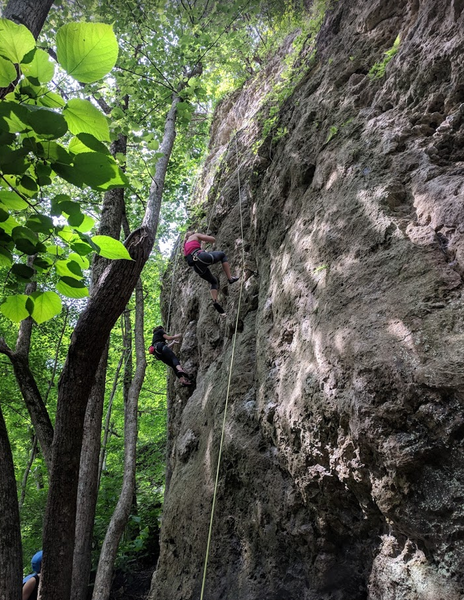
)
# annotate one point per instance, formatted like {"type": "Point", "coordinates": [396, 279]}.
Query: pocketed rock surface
{"type": "Point", "coordinates": [342, 474]}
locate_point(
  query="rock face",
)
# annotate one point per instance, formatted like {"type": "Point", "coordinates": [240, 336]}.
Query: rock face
{"type": "Point", "coordinates": [342, 474]}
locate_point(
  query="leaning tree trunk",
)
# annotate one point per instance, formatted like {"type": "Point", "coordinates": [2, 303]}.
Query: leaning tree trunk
{"type": "Point", "coordinates": [88, 341]}
{"type": "Point", "coordinates": [10, 537]}
{"type": "Point", "coordinates": [110, 224]}
{"type": "Point", "coordinates": [102, 587]}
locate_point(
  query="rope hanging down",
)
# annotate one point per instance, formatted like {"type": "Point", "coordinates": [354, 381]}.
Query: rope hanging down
{"type": "Point", "coordinates": [229, 379]}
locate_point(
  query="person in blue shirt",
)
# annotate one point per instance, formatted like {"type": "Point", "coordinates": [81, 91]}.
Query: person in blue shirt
{"type": "Point", "coordinates": [31, 582]}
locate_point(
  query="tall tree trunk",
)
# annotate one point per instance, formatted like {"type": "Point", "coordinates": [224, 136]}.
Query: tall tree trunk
{"type": "Point", "coordinates": [27, 470]}
{"type": "Point", "coordinates": [106, 427]}
{"type": "Point", "coordinates": [102, 587]}
{"type": "Point", "coordinates": [88, 340]}
{"type": "Point", "coordinates": [110, 224]}
{"type": "Point", "coordinates": [10, 537]}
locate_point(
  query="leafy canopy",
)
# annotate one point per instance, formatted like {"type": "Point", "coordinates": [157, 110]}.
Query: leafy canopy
{"type": "Point", "coordinates": [44, 136]}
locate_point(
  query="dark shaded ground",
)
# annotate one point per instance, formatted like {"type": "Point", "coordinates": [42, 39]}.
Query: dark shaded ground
{"type": "Point", "coordinates": [132, 586]}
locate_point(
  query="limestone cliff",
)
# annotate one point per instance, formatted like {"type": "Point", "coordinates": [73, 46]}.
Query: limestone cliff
{"type": "Point", "coordinates": [343, 468]}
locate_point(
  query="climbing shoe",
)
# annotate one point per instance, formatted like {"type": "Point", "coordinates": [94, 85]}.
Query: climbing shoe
{"type": "Point", "coordinates": [233, 279]}
{"type": "Point", "coordinates": [219, 308]}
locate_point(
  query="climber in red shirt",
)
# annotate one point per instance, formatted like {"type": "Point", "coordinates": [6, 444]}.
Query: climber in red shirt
{"type": "Point", "coordinates": [200, 260]}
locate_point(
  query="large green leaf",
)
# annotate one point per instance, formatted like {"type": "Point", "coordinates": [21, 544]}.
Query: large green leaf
{"type": "Point", "coordinates": [14, 308]}
{"type": "Point", "coordinates": [99, 171]}
{"type": "Point", "coordinates": [83, 117]}
{"type": "Point", "coordinates": [46, 306]}
{"type": "Point", "coordinates": [38, 67]}
{"type": "Point", "coordinates": [87, 51]}
{"type": "Point", "coordinates": [110, 248]}
{"type": "Point", "coordinates": [15, 40]}
{"type": "Point", "coordinates": [7, 72]}
{"type": "Point", "coordinates": [47, 124]}
{"type": "Point", "coordinates": [72, 288]}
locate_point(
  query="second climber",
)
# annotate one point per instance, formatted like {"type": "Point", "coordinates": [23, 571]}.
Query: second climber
{"type": "Point", "coordinates": [161, 350]}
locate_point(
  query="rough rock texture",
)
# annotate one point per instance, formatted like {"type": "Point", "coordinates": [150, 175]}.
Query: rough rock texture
{"type": "Point", "coordinates": [342, 476]}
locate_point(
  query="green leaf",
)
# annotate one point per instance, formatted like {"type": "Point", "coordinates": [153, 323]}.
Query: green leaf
{"type": "Point", "coordinates": [49, 99]}
{"type": "Point", "coordinates": [13, 117]}
{"type": "Point", "coordinates": [47, 124]}
{"type": "Point", "coordinates": [83, 117]}
{"type": "Point", "coordinates": [68, 268]}
{"type": "Point", "coordinates": [110, 248]}
{"type": "Point", "coordinates": [86, 224]}
{"type": "Point", "coordinates": [5, 257]}
{"type": "Point", "coordinates": [40, 224]}
{"type": "Point", "coordinates": [39, 67]}
{"type": "Point", "coordinates": [7, 72]}
{"type": "Point", "coordinates": [80, 260]}
{"type": "Point", "coordinates": [64, 205]}
{"type": "Point", "coordinates": [14, 308]}
{"type": "Point", "coordinates": [15, 40]}
{"type": "Point", "coordinates": [85, 142]}
{"type": "Point", "coordinates": [13, 158]}
{"type": "Point", "coordinates": [66, 233]}
{"type": "Point", "coordinates": [4, 215]}
{"type": "Point", "coordinates": [81, 248]}
{"type": "Point", "coordinates": [99, 171]}
{"type": "Point", "coordinates": [22, 272]}
{"type": "Point", "coordinates": [86, 51]}
{"type": "Point", "coordinates": [46, 306]}
{"type": "Point", "coordinates": [54, 152]}
{"type": "Point", "coordinates": [24, 233]}
{"type": "Point", "coordinates": [9, 225]}
{"type": "Point", "coordinates": [72, 288]}
{"type": "Point", "coordinates": [42, 263]}
{"type": "Point", "coordinates": [55, 250]}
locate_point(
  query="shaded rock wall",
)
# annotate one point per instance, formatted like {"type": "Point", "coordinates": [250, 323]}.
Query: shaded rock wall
{"type": "Point", "coordinates": [343, 469]}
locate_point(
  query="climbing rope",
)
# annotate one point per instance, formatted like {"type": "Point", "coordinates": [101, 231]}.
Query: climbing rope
{"type": "Point", "coordinates": [221, 443]}
{"type": "Point", "coordinates": [176, 248]}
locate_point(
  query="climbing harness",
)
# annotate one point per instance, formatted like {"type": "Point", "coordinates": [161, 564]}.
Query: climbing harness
{"type": "Point", "coordinates": [221, 443]}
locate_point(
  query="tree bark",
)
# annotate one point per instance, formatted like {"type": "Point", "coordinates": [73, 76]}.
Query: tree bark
{"type": "Point", "coordinates": [10, 537]}
{"type": "Point", "coordinates": [88, 340]}
{"type": "Point", "coordinates": [121, 513]}
{"type": "Point", "coordinates": [110, 224]}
